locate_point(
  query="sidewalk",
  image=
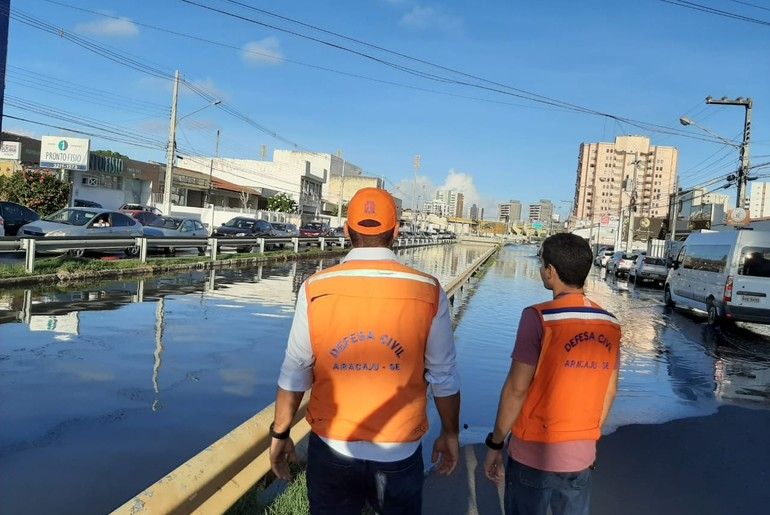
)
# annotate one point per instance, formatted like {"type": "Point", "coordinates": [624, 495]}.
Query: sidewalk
{"type": "Point", "coordinates": [719, 464]}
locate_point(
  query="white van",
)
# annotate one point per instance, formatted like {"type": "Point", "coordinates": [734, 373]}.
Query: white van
{"type": "Point", "coordinates": [724, 273]}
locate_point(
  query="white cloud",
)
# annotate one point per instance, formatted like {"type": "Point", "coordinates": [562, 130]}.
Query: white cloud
{"type": "Point", "coordinates": [422, 17]}
{"type": "Point", "coordinates": [263, 52]}
{"type": "Point", "coordinates": [110, 27]}
{"type": "Point", "coordinates": [455, 180]}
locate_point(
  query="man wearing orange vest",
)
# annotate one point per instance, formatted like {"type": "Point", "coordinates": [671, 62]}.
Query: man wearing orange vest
{"type": "Point", "coordinates": [369, 335]}
{"type": "Point", "coordinates": [558, 392]}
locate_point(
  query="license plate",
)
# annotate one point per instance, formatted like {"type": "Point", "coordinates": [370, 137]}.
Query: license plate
{"type": "Point", "coordinates": [750, 299]}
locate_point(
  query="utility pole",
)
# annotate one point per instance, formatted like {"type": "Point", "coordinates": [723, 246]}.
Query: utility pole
{"type": "Point", "coordinates": [417, 161]}
{"type": "Point", "coordinates": [5, 14]}
{"type": "Point", "coordinates": [743, 172]}
{"type": "Point", "coordinates": [674, 212]}
{"type": "Point", "coordinates": [342, 188]}
{"type": "Point", "coordinates": [632, 205]}
{"type": "Point", "coordinates": [170, 152]}
{"type": "Point", "coordinates": [211, 169]}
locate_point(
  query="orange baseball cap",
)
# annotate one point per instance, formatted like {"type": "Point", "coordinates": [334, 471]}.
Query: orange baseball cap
{"type": "Point", "coordinates": [372, 211]}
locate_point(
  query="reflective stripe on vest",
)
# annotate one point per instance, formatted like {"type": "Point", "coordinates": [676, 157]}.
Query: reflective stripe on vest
{"type": "Point", "coordinates": [581, 344]}
{"type": "Point", "coordinates": [369, 323]}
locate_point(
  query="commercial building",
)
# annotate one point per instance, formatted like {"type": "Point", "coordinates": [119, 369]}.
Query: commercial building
{"type": "Point", "coordinates": [606, 173]}
{"type": "Point", "coordinates": [759, 205]}
{"type": "Point", "coordinates": [698, 209]}
{"type": "Point", "coordinates": [542, 211]}
{"type": "Point", "coordinates": [509, 212]}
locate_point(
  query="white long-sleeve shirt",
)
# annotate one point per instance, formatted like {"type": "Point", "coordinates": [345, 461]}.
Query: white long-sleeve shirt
{"type": "Point", "coordinates": [440, 364]}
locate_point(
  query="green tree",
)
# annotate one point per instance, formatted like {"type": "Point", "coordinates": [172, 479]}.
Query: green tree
{"type": "Point", "coordinates": [36, 189]}
{"type": "Point", "coordinates": [344, 210]}
{"type": "Point", "coordinates": [282, 203]}
{"type": "Point", "coordinates": [109, 153]}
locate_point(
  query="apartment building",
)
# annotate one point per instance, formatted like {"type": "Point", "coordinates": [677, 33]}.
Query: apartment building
{"type": "Point", "coordinates": [759, 205]}
{"type": "Point", "coordinates": [606, 173]}
{"type": "Point", "coordinates": [509, 212]}
{"type": "Point", "coordinates": [542, 211]}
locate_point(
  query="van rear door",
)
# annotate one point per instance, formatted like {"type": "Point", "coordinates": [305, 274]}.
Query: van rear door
{"type": "Point", "coordinates": [751, 285]}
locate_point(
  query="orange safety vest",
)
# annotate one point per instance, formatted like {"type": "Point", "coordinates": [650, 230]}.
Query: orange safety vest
{"type": "Point", "coordinates": [565, 401]}
{"type": "Point", "coordinates": [369, 323]}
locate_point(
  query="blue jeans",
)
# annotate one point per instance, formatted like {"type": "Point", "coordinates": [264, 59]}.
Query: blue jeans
{"type": "Point", "coordinates": [529, 491]}
{"type": "Point", "coordinates": [339, 485]}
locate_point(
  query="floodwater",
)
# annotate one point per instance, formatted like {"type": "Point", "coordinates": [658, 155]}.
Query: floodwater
{"type": "Point", "coordinates": [106, 389]}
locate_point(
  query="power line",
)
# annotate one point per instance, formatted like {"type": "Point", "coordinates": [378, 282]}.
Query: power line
{"type": "Point", "coordinates": [717, 12]}
{"type": "Point", "coordinates": [751, 5]}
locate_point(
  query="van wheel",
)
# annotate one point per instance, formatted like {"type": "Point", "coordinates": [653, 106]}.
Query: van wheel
{"type": "Point", "coordinates": [132, 251]}
{"type": "Point", "coordinates": [76, 253]}
{"type": "Point", "coordinates": [713, 314]}
{"type": "Point", "coordinates": [201, 251]}
{"type": "Point", "coordinates": [169, 251]}
{"type": "Point", "coordinates": [667, 300]}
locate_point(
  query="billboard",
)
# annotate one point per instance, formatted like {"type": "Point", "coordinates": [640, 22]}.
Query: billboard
{"type": "Point", "coordinates": [64, 153]}
{"type": "Point", "coordinates": [10, 150]}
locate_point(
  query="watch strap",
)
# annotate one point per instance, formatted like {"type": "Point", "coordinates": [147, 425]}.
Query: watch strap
{"type": "Point", "coordinates": [495, 446]}
{"type": "Point", "coordinates": [279, 436]}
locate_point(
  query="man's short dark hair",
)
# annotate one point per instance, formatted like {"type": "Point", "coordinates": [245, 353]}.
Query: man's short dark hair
{"type": "Point", "coordinates": [570, 255]}
{"type": "Point", "coordinates": [383, 239]}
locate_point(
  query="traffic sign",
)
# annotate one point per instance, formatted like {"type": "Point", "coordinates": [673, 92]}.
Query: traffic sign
{"type": "Point", "coordinates": [605, 220]}
{"type": "Point", "coordinates": [538, 225]}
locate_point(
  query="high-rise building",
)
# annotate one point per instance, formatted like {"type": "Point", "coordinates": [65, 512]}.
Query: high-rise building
{"type": "Point", "coordinates": [542, 211]}
{"type": "Point", "coordinates": [474, 212]}
{"type": "Point", "coordinates": [481, 216]}
{"type": "Point", "coordinates": [604, 168]}
{"type": "Point", "coordinates": [759, 206]}
{"type": "Point", "coordinates": [509, 212]}
{"type": "Point", "coordinates": [446, 203]}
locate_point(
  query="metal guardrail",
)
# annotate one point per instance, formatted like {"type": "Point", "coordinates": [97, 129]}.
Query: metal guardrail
{"type": "Point", "coordinates": [214, 479]}
{"type": "Point", "coordinates": [139, 246]}
{"type": "Point", "coordinates": [457, 284]}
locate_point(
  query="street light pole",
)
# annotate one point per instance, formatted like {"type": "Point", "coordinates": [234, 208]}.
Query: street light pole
{"type": "Point", "coordinates": [632, 205]}
{"type": "Point", "coordinates": [211, 169]}
{"type": "Point", "coordinates": [417, 160]}
{"type": "Point", "coordinates": [171, 149]}
{"type": "Point", "coordinates": [342, 188]}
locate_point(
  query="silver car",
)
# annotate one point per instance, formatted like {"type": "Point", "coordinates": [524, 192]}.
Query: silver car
{"type": "Point", "coordinates": [647, 268]}
{"type": "Point", "coordinates": [85, 222]}
{"type": "Point", "coordinates": [170, 227]}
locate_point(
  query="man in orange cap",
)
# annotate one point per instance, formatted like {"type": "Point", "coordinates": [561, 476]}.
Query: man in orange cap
{"type": "Point", "coordinates": [369, 335]}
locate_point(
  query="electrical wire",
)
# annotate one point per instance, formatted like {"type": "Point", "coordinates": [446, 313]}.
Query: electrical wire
{"type": "Point", "coordinates": [717, 12]}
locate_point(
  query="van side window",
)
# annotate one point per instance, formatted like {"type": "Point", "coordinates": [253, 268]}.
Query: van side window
{"type": "Point", "coordinates": [706, 258]}
{"type": "Point", "coordinates": [755, 262]}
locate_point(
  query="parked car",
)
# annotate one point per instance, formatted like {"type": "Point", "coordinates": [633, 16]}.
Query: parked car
{"type": "Point", "coordinates": [85, 222]}
{"type": "Point", "coordinates": [169, 227]}
{"type": "Point", "coordinates": [726, 274]}
{"type": "Point", "coordinates": [648, 269]}
{"type": "Point", "coordinates": [620, 263]}
{"type": "Point", "coordinates": [78, 202]}
{"type": "Point", "coordinates": [243, 227]}
{"type": "Point", "coordinates": [337, 232]}
{"type": "Point", "coordinates": [138, 208]}
{"type": "Point", "coordinates": [282, 230]}
{"type": "Point", "coordinates": [144, 217]}
{"type": "Point", "coordinates": [2, 227]}
{"type": "Point", "coordinates": [13, 216]}
{"type": "Point", "coordinates": [314, 230]}
{"type": "Point", "coordinates": [603, 255]}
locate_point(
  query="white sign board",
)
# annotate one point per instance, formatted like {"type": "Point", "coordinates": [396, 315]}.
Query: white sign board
{"type": "Point", "coordinates": [64, 153]}
{"type": "Point", "coordinates": [10, 150]}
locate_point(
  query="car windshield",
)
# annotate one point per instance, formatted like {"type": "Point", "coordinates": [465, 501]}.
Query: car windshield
{"type": "Point", "coordinates": [280, 227]}
{"type": "Point", "coordinates": [313, 226]}
{"type": "Point", "coordinates": [755, 262]}
{"type": "Point", "coordinates": [240, 223]}
{"type": "Point", "coordinates": [72, 216]}
{"type": "Point", "coordinates": [629, 256]}
{"type": "Point", "coordinates": [166, 222]}
{"type": "Point", "coordinates": [654, 261]}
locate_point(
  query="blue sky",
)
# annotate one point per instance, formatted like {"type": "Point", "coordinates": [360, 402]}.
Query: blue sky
{"type": "Point", "coordinates": [646, 60]}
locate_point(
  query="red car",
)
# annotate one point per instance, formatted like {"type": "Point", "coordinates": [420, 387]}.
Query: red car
{"type": "Point", "coordinates": [132, 209]}
{"type": "Point", "coordinates": [314, 230]}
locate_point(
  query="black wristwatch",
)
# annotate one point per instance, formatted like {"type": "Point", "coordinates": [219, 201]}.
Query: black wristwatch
{"type": "Point", "coordinates": [495, 446]}
{"type": "Point", "coordinates": [279, 436]}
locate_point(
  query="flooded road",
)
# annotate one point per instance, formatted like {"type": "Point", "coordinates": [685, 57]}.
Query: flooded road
{"type": "Point", "coordinates": [104, 390]}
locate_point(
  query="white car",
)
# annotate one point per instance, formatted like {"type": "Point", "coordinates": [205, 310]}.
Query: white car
{"type": "Point", "coordinates": [603, 257]}
{"type": "Point", "coordinates": [724, 273]}
{"type": "Point", "coordinates": [620, 263]}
